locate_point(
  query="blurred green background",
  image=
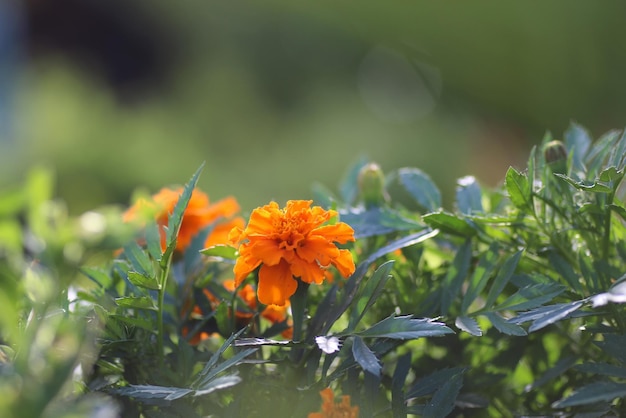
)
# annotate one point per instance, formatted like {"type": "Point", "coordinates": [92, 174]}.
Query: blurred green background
{"type": "Point", "coordinates": [277, 95]}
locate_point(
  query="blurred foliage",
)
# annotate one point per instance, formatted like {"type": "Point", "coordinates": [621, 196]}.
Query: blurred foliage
{"type": "Point", "coordinates": [263, 91]}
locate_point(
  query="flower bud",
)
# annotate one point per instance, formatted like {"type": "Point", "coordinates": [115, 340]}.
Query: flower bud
{"type": "Point", "coordinates": [555, 155]}
{"type": "Point", "coordinates": [372, 185]}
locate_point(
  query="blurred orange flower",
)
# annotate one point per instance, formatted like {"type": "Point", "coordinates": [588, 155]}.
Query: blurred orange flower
{"type": "Point", "coordinates": [274, 314]}
{"type": "Point", "coordinates": [330, 409]}
{"type": "Point", "coordinates": [200, 213]}
{"type": "Point", "coordinates": [287, 243]}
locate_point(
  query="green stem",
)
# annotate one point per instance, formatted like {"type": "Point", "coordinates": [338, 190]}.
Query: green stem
{"type": "Point", "coordinates": [606, 241]}
{"type": "Point", "coordinates": [165, 271]}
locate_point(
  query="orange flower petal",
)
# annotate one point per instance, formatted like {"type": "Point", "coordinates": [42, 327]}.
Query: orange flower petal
{"type": "Point", "coordinates": [339, 232]}
{"type": "Point", "coordinates": [266, 250]}
{"type": "Point", "coordinates": [307, 272]}
{"type": "Point", "coordinates": [244, 265]}
{"type": "Point", "coordinates": [276, 284]}
{"type": "Point", "coordinates": [318, 249]}
{"type": "Point", "coordinates": [344, 263]}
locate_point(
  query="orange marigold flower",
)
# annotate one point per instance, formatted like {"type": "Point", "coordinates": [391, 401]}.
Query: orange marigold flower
{"type": "Point", "coordinates": [330, 409]}
{"type": "Point", "coordinates": [287, 243]}
{"type": "Point", "coordinates": [274, 314]}
{"type": "Point", "coordinates": [198, 215]}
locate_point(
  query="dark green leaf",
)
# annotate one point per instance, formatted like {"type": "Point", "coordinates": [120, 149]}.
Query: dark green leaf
{"type": "Point", "coordinates": [139, 260]}
{"type": "Point", "coordinates": [613, 345]}
{"type": "Point", "coordinates": [398, 404]}
{"type": "Point", "coordinates": [505, 327]}
{"type": "Point", "coordinates": [364, 356]}
{"type": "Point", "coordinates": [152, 392]}
{"type": "Point", "coordinates": [405, 327]}
{"type": "Point", "coordinates": [577, 141]}
{"type": "Point", "coordinates": [421, 188]}
{"type": "Point", "coordinates": [592, 393]}
{"type": "Point", "coordinates": [602, 369]}
{"type": "Point", "coordinates": [468, 196]}
{"type": "Point", "coordinates": [531, 296]}
{"type": "Point", "coordinates": [552, 373]}
{"type": "Point", "coordinates": [469, 325]}
{"type": "Point", "coordinates": [221, 252]}
{"type": "Point", "coordinates": [429, 384]}
{"type": "Point", "coordinates": [620, 210]}
{"type": "Point", "coordinates": [369, 293]}
{"type": "Point", "coordinates": [377, 220]}
{"type": "Point", "coordinates": [482, 273]}
{"type": "Point", "coordinates": [153, 241]}
{"type": "Point", "coordinates": [136, 302]}
{"type": "Point", "coordinates": [502, 278]}
{"type": "Point", "coordinates": [565, 270]}
{"type": "Point", "coordinates": [175, 219]}
{"type": "Point", "coordinates": [585, 185]}
{"type": "Point", "coordinates": [457, 272]}
{"type": "Point", "coordinates": [143, 323]}
{"type": "Point", "coordinates": [101, 278]}
{"type": "Point", "coordinates": [443, 400]}
{"type": "Point", "coordinates": [618, 152]}
{"type": "Point", "coordinates": [140, 280]}
{"type": "Point", "coordinates": [518, 188]}
{"type": "Point", "coordinates": [449, 223]}
{"type": "Point", "coordinates": [546, 315]}
{"type": "Point", "coordinates": [219, 383]}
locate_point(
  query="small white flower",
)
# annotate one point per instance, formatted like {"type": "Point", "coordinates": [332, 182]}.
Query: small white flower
{"type": "Point", "coordinates": [328, 345]}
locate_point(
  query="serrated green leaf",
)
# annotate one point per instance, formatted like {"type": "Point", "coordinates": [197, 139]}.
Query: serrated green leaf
{"type": "Point", "coordinates": [518, 188]}
{"type": "Point", "coordinates": [546, 315]}
{"type": "Point", "coordinates": [152, 392]}
{"type": "Point", "coordinates": [136, 322]}
{"type": "Point", "coordinates": [449, 223]}
{"type": "Point", "coordinates": [153, 241]}
{"type": "Point", "coordinates": [219, 383]}
{"type": "Point", "coordinates": [225, 252]}
{"type": "Point", "coordinates": [561, 366]}
{"type": "Point", "coordinates": [502, 278]}
{"type": "Point", "coordinates": [613, 345]}
{"type": "Point", "coordinates": [136, 302]}
{"type": "Point", "coordinates": [138, 259]}
{"type": "Point", "coordinates": [620, 210]}
{"type": "Point", "coordinates": [592, 393]}
{"type": "Point", "coordinates": [469, 325]}
{"type": "Point", "coordinates": [369, 293]}
{"type": "Point", "coordinates": [364, 357]}
{"type": "Point", "coordinates": [398, 404]}
{"type": "Point", "coordinates": [505, 327]}
{"type": "Point", "coordinates": [468, 195]}
{"type": "Point", "coordinates": [429, 384]}
{"type": "Point", "coordinates": [377, 220]}
{"type": "Point", "coordinates": [531, 296]}
{"type": "Point", "coordinates": [421, 188]}
{"type": "Point", "coordinates": [585, 185]}
{"type": "Point", "coordinates": [457, 272]}
{"type": "Point", "coordinates": [482, 273]}
{"type": "Point", "coordinates": [604, 369]}
{"type": "Point", "coordinates": [406, 327]}
{"type": "Point", "coordinates": [142, 281]}
{"type": "Point", "coordinates": [565, 270]}
{"type": "Point", "coordinates": [442, 403]}
{"type": "Point", "coordinates": [577, 141]}
{"type": "Point", "coordinates": [175, 219]}
{"type": "Point", "coordinates": [99, 277]}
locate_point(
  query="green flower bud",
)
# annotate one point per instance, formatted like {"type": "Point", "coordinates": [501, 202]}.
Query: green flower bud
{"type": "Point", "coordinates": [555, 155]}
{"type": "Point", "coordinates": [372, 185]}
